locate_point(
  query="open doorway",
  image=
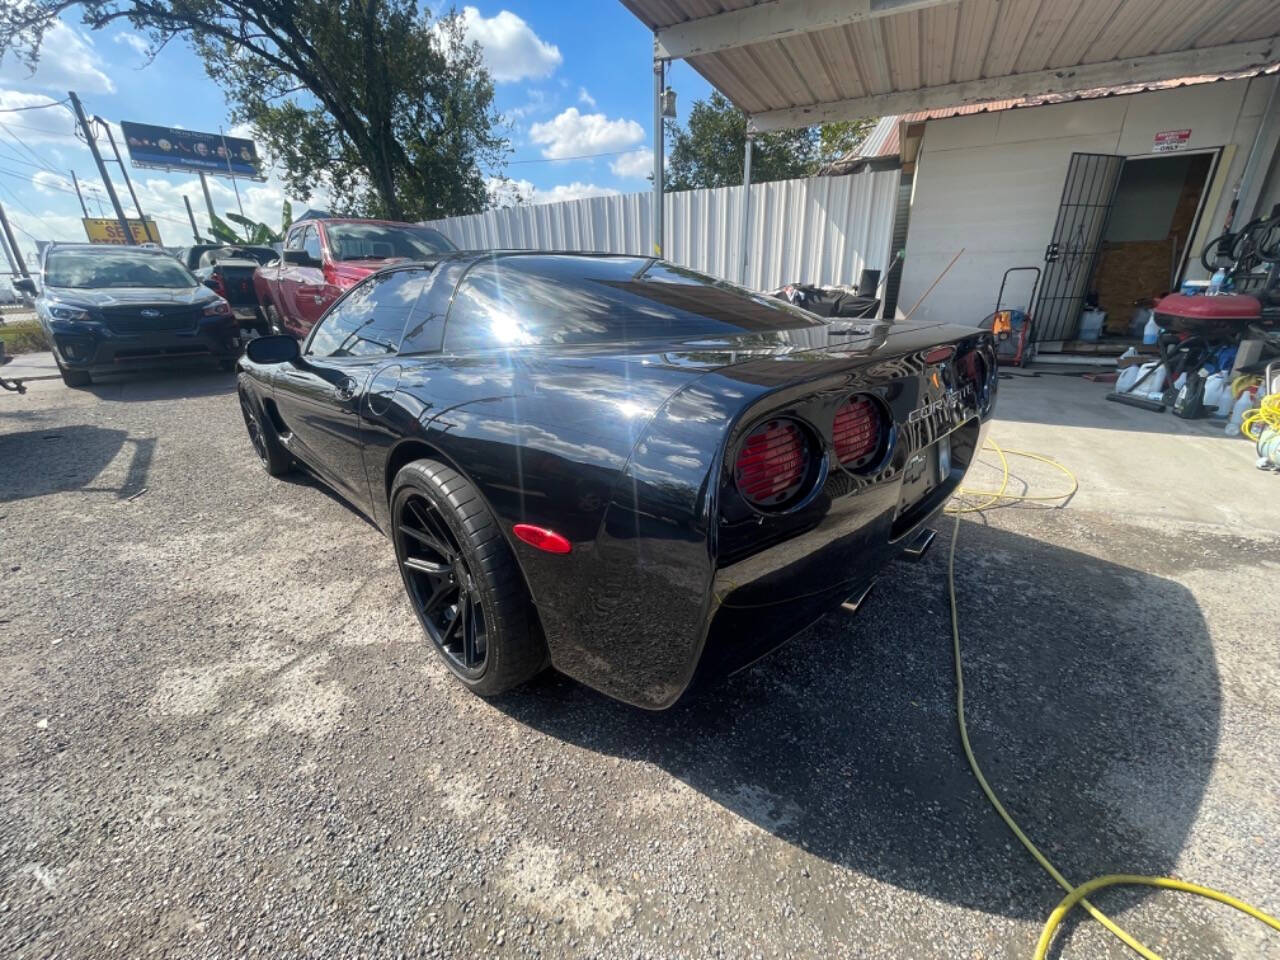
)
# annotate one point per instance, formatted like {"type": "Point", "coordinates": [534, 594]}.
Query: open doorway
{"type": "Point", "coordinates": [1150, 230]}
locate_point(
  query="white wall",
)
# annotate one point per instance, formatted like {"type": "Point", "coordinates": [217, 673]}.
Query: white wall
{"type": "Point", "coordinates": [821, 230]}
{"type": "Point", "coordinates": [991, 183]}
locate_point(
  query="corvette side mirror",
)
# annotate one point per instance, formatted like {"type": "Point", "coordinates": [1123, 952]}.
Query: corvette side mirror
{"type": "Point", "coordinates": [270, 350]}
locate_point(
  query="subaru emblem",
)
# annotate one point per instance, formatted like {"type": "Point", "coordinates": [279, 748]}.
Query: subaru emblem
{"type": "Point", "coordinates": [149, 313]}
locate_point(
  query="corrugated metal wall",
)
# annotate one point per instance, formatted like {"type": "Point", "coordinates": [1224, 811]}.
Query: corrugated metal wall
{"type": "Point", "coordinates": [819, 230]}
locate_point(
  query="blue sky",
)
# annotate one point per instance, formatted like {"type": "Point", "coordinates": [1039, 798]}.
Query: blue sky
{"type": "Point", "coordinates": [573, 77]}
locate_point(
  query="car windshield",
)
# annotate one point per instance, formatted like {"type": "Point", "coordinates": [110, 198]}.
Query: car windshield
{"type": "Point", "coordinates": [95, 269]}
{"type": "Point", "coordinates": [379, 241]}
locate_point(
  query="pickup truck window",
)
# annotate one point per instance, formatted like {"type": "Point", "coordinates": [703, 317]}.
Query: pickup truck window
{"type": "Point", "coordinates": [294, 240]}
{"type": "Point", "coordinates": [370, 320]}
{"type": "Point", "coordinates": [380, 241]}
{"type": "Point", "coordinates": [311, 244]}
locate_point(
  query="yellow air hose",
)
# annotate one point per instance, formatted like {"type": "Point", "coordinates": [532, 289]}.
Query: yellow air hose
{"type": "Point", "coordinates": [1267, 415]}
{"type": "Point", "coordinates": [1075, 894]}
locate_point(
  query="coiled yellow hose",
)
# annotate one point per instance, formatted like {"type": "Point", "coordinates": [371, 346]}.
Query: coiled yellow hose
{"type": "Point", "coordinates": [1076, 895]}
{"type": "Point", "coordinates": [1267, 415]}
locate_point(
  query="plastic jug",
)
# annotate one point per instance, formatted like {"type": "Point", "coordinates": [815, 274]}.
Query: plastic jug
{"type": "Point", "coordinates": [1151, 330]}
{"type": "Point", "coordinates": [1217, 394]}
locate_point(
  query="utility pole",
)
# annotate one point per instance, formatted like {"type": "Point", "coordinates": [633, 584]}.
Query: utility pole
{"type": "Point", "coordinates": [111, 138]}
{"type": "Point", "coordinates": [208, 200]}
{"type": "Point", "coordinates": [13, 244]}
{"type": "Point", "coordinates": [227, 155]}
{"type": "Point", "coordinates": [102, 167]}
{"type": "Point", "coordinates": [195, 231]}
{"type": "Point", "coordinates": [79, 195]}
{"type": "Point", "coordinates": [657, 158]}
{"type": "Point", "coordinates": [13, 267]}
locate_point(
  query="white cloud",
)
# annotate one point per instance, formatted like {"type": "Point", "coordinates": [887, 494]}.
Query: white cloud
{"type": "Point", "coordinates": [136, 41]}
{"type": "Point", "coordinates": [585, 97]}
{"type": "Point", "coordinates": [572, 134]}
{"type": "Point", "coordinates": [572, 191]}
{"type": "Point", "coordinates": [512, 51]}
{"type": "Point", "coordinates": [507, 193]}
{"type": "Point", "coordinates": [68, 61]}
{"type": "Point", "coordinates": [53, 125]}
{"type": "Point", "coordinates": [537, 102]}
{"type": "Point", "coordinates": [637, 163]}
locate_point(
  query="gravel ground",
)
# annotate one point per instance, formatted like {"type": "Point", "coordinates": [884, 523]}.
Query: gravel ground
{"type": "Point", "coordinates": [223, 735]}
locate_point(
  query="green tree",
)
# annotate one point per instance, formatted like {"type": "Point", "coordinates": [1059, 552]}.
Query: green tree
{"type": "Point", "coordinates": [256, 233]}
{"type": "Point", "coordinates": [708, 153]}
{"type": "Point", "coordinates": [388, 109]}
{"type": "Point", "coordinates": [839, 138]}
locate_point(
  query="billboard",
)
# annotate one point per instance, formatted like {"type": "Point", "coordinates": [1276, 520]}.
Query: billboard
{"type": "Point", "coordinates": [107, 230]}
{"type": "Point", "coordinates": [168, 148]}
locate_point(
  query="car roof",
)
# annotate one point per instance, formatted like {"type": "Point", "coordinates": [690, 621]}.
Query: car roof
{"type": "Point", "coordinates": [107, 248]}
{"type": "Point", "coordinates": [381, 223]}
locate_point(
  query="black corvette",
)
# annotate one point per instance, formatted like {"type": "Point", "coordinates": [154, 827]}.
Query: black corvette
{"type": "Point", "coordinates": [630, 471]}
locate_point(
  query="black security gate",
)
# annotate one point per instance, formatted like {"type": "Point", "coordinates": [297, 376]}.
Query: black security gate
{"type": "Point", "coordinates": [1073, 250]}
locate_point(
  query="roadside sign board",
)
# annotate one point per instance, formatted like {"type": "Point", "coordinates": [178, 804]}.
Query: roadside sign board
{"type": "Point", "coordinates": [170, 148]}
{"type": "Point", "coordinates": [1166, 141]}
{"type": "Point", "coordinates": [107, 230]}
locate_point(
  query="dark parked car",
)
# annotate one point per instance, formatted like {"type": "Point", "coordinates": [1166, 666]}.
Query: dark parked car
{"type": "Point", "coordinates": [228, 272]}
{"type": "Point", "coordinates": [105, 308]}
{"type": "Point", "coordinates": [614, 465]}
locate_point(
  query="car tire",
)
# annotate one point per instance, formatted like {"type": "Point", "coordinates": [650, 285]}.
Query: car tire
{"type": "Point", "coordinates": [75, 378]}
{"type": "Point", "coordinates": [271, 453]}
{"type": "Point", "coordinates": [487, 575]}
{"type": "Point", "coordinates": [261, 322]}
{"type": "Point", "coordinates": [274, 326]}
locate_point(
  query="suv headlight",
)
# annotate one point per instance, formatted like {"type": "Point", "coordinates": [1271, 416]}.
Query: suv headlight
{"type": "Point", "coordinates": [218, 308]}
{"type": "Point", "coordinates": [70, 314]}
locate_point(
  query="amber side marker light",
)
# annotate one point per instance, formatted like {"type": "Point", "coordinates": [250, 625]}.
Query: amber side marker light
{"type": "Point", "coordinates": [542, 538]}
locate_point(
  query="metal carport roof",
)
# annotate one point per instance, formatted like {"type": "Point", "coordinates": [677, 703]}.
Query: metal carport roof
{"type": "Point", "coordinates": [789, 63]}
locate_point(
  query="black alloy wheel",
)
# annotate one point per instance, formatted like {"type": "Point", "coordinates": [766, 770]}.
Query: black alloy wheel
{"type": "Point", "coordinates": [255, 429]}
{"type": "Point", "coordinates": [463, 579]}
{"type": "Point", "coordinates": [271, 453]}
{"type": "Point", "coordinates": [444, 593]}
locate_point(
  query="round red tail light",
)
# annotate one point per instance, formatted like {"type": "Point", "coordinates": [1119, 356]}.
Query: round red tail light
{"type": "Point", "coordinates": [857, 431]}
{"type": "Point", "coordinates": [773, 463]}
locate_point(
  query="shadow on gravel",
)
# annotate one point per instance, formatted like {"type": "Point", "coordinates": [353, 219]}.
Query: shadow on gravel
{"type": "Point", "coordinates": [1093, 703]}
{"type": "Point", "coordinates": [135, 386]}
{"type": "Point", "coordinates": [60, 459]}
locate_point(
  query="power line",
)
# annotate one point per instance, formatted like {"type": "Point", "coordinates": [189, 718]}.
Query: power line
{"type": "Point", "coordinates": [68, 190]}
{"type": "Point", "coordinates": [35, 106]}
{"type": "Point", "coordinates": [581, 156]}
{"type": "Point", "coordinates": [19, 202]}
{"type": "Point", "coordinates": [38, 159]}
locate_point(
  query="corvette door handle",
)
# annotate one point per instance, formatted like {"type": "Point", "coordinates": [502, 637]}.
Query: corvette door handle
{"type": "Point", "coordinates": [347, 389]}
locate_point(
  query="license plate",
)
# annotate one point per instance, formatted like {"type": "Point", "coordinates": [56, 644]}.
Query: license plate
{"type": "Point", "coordinates": [924, 471]}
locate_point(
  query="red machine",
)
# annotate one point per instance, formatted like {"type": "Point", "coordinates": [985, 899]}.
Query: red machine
{"type": "Point", "coordinates": [1223, 317]}
{"type": "Point", "coordinates": [1013, 327]}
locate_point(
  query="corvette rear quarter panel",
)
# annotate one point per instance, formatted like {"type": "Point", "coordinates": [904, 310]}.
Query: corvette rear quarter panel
{"type": "Point", "coordinates": [546, 441]}
{"type": "Point", "coordinates": [624, 456]}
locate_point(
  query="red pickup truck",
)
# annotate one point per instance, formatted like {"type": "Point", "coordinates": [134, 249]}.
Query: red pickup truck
{"type": "Point", "coordinates": [323, 258]}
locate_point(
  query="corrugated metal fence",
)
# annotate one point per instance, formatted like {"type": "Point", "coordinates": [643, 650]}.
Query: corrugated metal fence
{"type": "Point", "coordinates": [819, 230]}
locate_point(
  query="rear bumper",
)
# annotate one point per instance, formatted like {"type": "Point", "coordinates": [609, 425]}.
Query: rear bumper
{"type": "Point", "coordinates": [103, 352]}
{"type": "Point", "coordinates": [762, 602]}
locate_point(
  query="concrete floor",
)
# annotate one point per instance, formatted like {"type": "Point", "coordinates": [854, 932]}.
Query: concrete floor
{"type": "Point", "coordinates": [224, 736]}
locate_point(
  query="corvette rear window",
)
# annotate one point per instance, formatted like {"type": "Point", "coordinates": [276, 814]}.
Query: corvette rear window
{"type": "Point", "coordinates": [520, 300]}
